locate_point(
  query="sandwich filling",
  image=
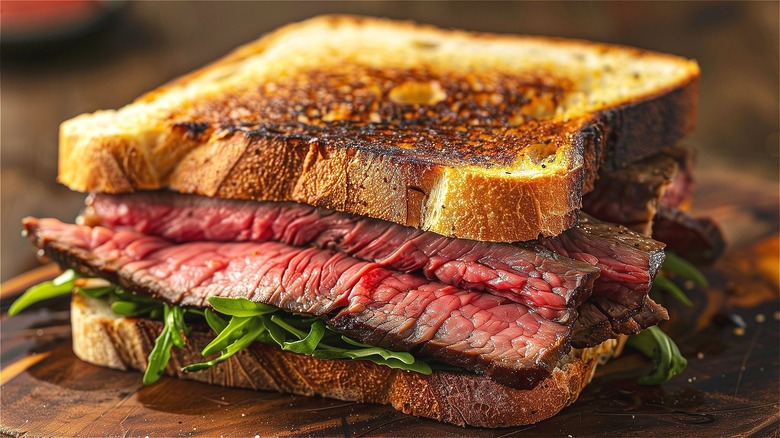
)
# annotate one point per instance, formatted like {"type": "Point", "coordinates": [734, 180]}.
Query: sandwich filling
{"type": "Point", "coordinates": [506, 311]}
{"type": "Point", "coordinates": [650, 196]}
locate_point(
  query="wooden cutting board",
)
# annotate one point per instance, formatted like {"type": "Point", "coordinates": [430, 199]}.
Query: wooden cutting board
{"type": "Point", "coordinates": [731, 386]}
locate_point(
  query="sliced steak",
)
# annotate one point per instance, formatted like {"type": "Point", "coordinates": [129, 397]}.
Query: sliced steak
{"type": "Point", "coordinates": [530, 274]}
{"type": "Point", "coordinates": [698, 239]}
{"type": "Point", "coordinates": [631, 196]}
{"type": "Point", "coordinates": [680, 188]}
{"type": "Point", "coordinates": [628, 262]}
{"type": "Point", "coordinates": [594, 326]}
{"type": "Point", "coordinates": [474, 331]}
{"type": "Point", "coordinates": [477, 331]}
{"type": "Point", "coordinates": [550, 284]}
{"type": "Point", "coordinates": [647, 196]}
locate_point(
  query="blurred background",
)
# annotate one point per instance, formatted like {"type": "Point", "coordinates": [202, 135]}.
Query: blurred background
{"type": "Point", "coordinates": [61, 59]}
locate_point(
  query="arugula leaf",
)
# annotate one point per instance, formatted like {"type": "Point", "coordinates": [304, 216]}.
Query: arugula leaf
{"type": "Point", "coordinates": [676, 266]}
{"type": "Point", "coordinates": [233, 331]}
{"type": "Point", "coordinates": [62, 285]}
{"type": "Point", "coordinates": [237, 322]}
{"type": "Point", "coordinates": [254, 328]}
{"type": "Point", "coordinates": [653, 342]}
{"type": "Point", "coordinates": [278, 320]}
{"type": "Point", "coordinates": [276, 329]}
{"type": "Point", "coordinates": [393, 362]}
{"type": "Point", "coordinates": [683, 268]}
{"type": "Point", "coordinates": [384, 353]}
{"type": "Point", "coordinates": [216, 322]}
{"type": "Point", "coordinates": [381, 356]}
{"type": "Point", "coordinates": [133, 308]}
{"type": "Point", "coordinates": [664, 284]}
{"type": "Point", "coordinates": [97, 292]}
{"type": "Point", "coordinates": [159, 356]}
{"type": "Point", "coordinates": [275, 333]}
{"type": "Point", "coordinates": [240, 306]}
{"type": "Point", "coordinates": [667, 360]}
{"type": "Point", "coordinates": [174, 318]}
{"type": "Point", "coordinates": [170, 336]}
{"type": "Point", "coordinates": [308, 344]}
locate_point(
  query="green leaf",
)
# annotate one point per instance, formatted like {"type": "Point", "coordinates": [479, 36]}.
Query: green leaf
{"type": "Point", "coordinates": [216, 322]}
{"type": "Point", "coordinates": [668, 286]}
{"type": "Point", "coordinates": [331, 353]}
{"type": "Point", "coordinates": [308, 344]}
{"type": "Point", "coordinates": [416, 366]}
{"type": "Point", "coordinates": [392, 360]}
{"type": "Point", "coordinates": [300, 334]}
{"type": "Point", "coordinates": [156, 313]}
{"type": "Point", "coordinates": [381, 352]}
{"type": "Point", "coordinates": [683, 268]}
{"type": "Point", "coordinates": [61, 285]}
{"type": "Point", "coordinates": [174, 318]}
{"type": "Point", "coordinates": [240, 307]}
{"type": "Point", "coordinates": [232, 331]}
{"type": "Point", "coordinates": [254, 329]}
{"type": "Point", "coordinates": [171, 335]}
{"type": "Point", "coordinates": [129, 308]}
{"type": "Point", "coordinates": [195, 311]}
{"type": "Point", "coordinates": [404, 357]}
{"type": "Point", "coordinates": [159, 356]}
{"type": "Point", "coordinates": [355, 343]}
{"type": "Point", "coordinates": [96, 292]}
{"type": "Point", "coordinates": [667, 360]}
{"type": "Point", "coordinates": [274, 330]}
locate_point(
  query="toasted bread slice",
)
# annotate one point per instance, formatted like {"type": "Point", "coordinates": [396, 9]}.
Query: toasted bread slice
{"type": "Point", "coordinates": [106, 339]}
{"type": "Point", "coordinates": [469, 135]}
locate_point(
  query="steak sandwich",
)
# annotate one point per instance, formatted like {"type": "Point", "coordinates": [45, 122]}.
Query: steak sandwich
{"type": "Point", "coordinates": [376, 211]}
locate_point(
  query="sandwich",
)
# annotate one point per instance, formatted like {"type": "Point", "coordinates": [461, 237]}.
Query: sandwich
{"type": "Point", "coordinates": [378, 211]}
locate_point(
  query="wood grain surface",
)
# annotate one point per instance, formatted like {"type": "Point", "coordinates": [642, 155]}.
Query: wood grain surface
{"type": "Point", "coordinates": [730, 388]}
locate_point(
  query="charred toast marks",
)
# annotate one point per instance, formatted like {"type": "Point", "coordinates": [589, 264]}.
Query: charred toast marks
{"type": "Point", "coordinates": [429, 125]}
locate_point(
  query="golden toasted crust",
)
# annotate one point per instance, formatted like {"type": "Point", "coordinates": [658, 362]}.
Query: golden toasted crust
{"type": "Point", "coordinates": [469, 135]}
{"type": "Point", "coordinates": [103, 338]}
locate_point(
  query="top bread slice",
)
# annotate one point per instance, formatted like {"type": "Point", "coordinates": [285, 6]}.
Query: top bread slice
{"type": "Point", "coordinates": [476, 136]}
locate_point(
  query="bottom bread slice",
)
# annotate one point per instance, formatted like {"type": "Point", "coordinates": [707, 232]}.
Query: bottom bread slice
{"type": "Point", "coordinates": [103, 338]}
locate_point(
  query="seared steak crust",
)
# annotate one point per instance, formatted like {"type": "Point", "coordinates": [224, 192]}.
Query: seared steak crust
{"type": "Point", "coordinates": [698, 239]}
{"type": "Point", "coordinates": [632, 195]}
{"type": "Point", "coordinates": [628, 262]}
{"type": "Point", "coordinates": [649, 197]}
{"type": "Point", "coordinates": [594, 326]}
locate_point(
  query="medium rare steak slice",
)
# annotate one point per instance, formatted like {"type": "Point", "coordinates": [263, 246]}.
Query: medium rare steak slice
{"type": "Point", "coordinates": [482, 333]}
{"type": "Point", "coordinates": [501, 269]}
{"type": "Point", "coordinates": [473, 331]}
{"type": "Point", "coordinates": [553, 285]}
{"type": "Point", "coordinates": [698, 239]}
{"type": "Point", "coordinates": [631, 196]}
{"type": "Point", "coordinates": [593, 326]}
{"type": "Point", "coordinates": [649, 197]}
{"type": "Point", "coordinates": [628, 263]}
